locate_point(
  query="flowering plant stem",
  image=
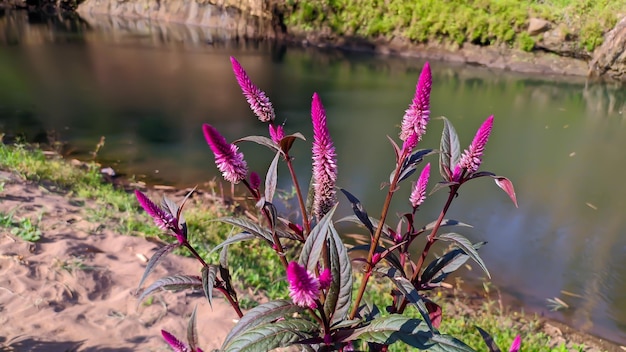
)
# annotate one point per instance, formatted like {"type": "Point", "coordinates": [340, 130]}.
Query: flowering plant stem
{"type": "Point", "coordinates": [377, 234]}
{"type": "Point", "coordinates": [305, 218]}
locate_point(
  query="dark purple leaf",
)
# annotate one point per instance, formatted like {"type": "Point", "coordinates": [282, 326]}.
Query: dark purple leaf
{"type": "Point", "coordinates": [260, 140]}
{"type": "Point", "coordinates": [271, 178]}
{"type": "Point", "coordinates": [192, 331]}
{"type": "Point", "coordinates": [412, 296]}
{"type": "Point", "coordinates": [391, 258]}
{"type": "Point", "coordinates": [359, 210]}
{"type": "Point", "coordinates": [250, 227]}
{"type": "Point", "coordinates": [435, 313]}
{"type": "Point", "coordinates": [225, 273]}
{"type": "Point", "coordinates": [243, 236]}
{"type": "Point", "coordinates": [450, 150]}
{"type": "Point", "coordinates": [467, 247]}
{"type": "Point", "coordinates": [339, 294]}
{"type": "Point", "coordinates": [209, 277]}
{"type": "Point", "coordinates": [312, 249]}
{"type": "Point", "coordinates": [156, 259]}
{"type": "Point", "coordinates": [440, 185]}
{"type": "Point", "coordinates": [287, 142]}
{"type": "Point", "coordinates": [491, 344]}
{"type": "Point", "coordinates": [176, 282]}
{"type": "Point", "coordinates": [396, 149]}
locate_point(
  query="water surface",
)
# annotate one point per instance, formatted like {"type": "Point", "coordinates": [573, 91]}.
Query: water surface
{"type": "Point", "coordinates": [147, 88]}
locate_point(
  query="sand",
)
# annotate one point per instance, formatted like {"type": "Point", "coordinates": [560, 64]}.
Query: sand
{"type": "Point", "coordinates": [75, 288]}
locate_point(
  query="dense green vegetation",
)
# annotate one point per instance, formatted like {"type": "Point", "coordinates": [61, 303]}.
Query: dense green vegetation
{"type": "Point", "coordinates": [483, 22]}
{"type": "Point", "coordinates": [108, 205]}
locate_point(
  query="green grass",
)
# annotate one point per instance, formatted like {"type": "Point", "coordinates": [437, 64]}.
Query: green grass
{"type": "Point", "coordinates": [483, 22]}
{"type": "Point", "coordinates": [24, 228]}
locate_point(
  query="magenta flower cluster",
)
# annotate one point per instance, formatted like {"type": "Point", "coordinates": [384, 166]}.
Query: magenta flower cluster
{"type": "Point", "coordinates": [304, 287]}
{"type": "Point", "coordinates": [176, 344]}
{"type": "Point", "coordinates": [418, 195]}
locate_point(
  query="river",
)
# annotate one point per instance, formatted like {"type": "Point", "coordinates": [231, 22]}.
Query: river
{"type": "Point", "coordinates": [147, 88]}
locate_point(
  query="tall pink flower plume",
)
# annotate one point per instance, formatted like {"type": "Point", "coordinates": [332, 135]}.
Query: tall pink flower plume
{"type": "Point", "coordinates": [417, 115]}
{"type": "Point", "coordinates": [176, 344]}
{"type": "Point", "coordinates": [163, 220]}
{"type": "Point", "coordinates": [304, 287]}
{"type": "Point", "coordinates": [259, 102]}
{"type": "Point", "coordinates": [276, 133]}
{"type": "Point", "coordinates": [419, 191]}
{"type": "Point", "coordinates": [227, 156]}
{"type": "Point", "coordinates": [472, 157]}
{"type": "Point", "coordinates": [324, 162]}
{"type": "Point", "coordinates": [517, 344]}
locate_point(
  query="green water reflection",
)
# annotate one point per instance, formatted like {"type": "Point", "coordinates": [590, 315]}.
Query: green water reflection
{"type": "Point", "coordinates": [561, 141]}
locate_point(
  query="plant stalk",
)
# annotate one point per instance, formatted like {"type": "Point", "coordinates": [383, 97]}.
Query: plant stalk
{"type": "Point", "coordinates": [305, 217]}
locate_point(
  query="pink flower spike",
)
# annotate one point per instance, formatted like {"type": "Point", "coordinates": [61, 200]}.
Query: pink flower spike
{"type": "Point", "coordinates": [517, 344]}
{"type": "Point", "coordinates": [175, 343]}
{"type": "Point", "coordinates": [277, 133]}
{"type": "Point", "coordinates": [472, 157]}
{"type": "Point", "coordinates": [304, 288]}
{"type": "Point", "coordinates": [324, 162]}
{"type": "Point", "coordinates": [419, 191]}
{"type": "Point", "coordinates": [227, 156]}
{"type": "Point", "coordinates": [255, 180]}
{"type": "Point", "coordinates": [325, 279]}
{"type": "Point", "coordinates": [162, 219]}
{"type": "Point", "coordinates": [410, 143]}
{"type": "Point", "coordinates": [417, 115]}
{"type": "Point", "coordinates": [259, 102]}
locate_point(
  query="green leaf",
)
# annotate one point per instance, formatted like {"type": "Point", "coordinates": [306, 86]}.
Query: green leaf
{"type": "Point", "coordinates": [272, 335]}
{"type": "Point", "coordinates": [192, 331]}
{"type": "Point", "coordinates": [158, 256]}
{"type": "Point", "coordinates": [243, 236]}
{"type": "Point", "coordinates": [467, 247]}
{"type": "Point", "coordinates": [450, 150]}
{"type": "Point", "coordinates": [175, 282]}
{"type": "Point", "coordinates": [208, 282]}
{"type": "Point", "coordinates": [339, 294]}
{"type": "Point", "coordinates": [312, 249]}
{"type": "Point", "coordinates": [271, 178]}
{"type": "Point", "coordinates": [410, 293]}
{"type": "Point", "coordinates": [264, 313]}
{"type": "Point", "coordinates": [249, 226]}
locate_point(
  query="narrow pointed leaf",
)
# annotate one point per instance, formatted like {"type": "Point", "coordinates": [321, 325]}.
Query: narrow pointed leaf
{"type": "Point", "coordinates": [271, 209]}
{"type": "Point", "coordinates": [287, 141]}
{"type": "Point", "coordinates": [312, 249]}
{"type": "Point", "coordinates": [179, 213]}
{"type": "Point", "coordinates": [444, 223]}
{"type": "Point", "coordinates": [169, 206]}
{"type": "Point", "coordinates": [192, 331]}
{"type": "Point", "coordinates": [270, 179]}
{"type": "Point", "coordinates": [439, 268]}
{"type": "Point", "coordinates": [264, 141]}
{"type": "Point", "coordinates": [410, 164]}
{"type": "Point", "coordinates": [225, 273]}
{"type": "Point", "coordinates": [156, 258]}
{"type": "Point", "coordinates": [467, 247]}
{"type": "Point", "coordinates": [393, 328]}
{"type": "Point", "coordinates": [339, 294]}
{"type": "Point", "coordinates": [264, 313]}
{"type": "Point", "coordinates": [396, 149]}
{"type": "Point", "coordinates": [209, 275]}
{"type": "Point", "coordinates": [359, 210]}
{"type": "Point", "coordinates": [176, 282]}
{"type": "Point", "coordinates": [243, 236]}
{"type": "Point", "coordinates": [507, 187]}
{"type": "Point", "coordinates": [450, 150]}
{"type": "Point", "coordinates": [249, 226]}
{"type": "Point", "coordinates": [354, 219]}
{"type": "Point", "coordinates": [391, 258]}
{"type": "Point", "coordinates": [410, 293]}
{"type": "Point", "coordinates": [441, 185]}
{"type": "Point", "coordinates": [269, 336]}
{"type": "Point", "coordinates": [491, 344]}
{"type": "Point", "coordinates": [447, 343]}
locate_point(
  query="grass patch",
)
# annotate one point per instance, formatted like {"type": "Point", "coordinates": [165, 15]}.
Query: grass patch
{"type": "Point", "coordinates": [483, 22]}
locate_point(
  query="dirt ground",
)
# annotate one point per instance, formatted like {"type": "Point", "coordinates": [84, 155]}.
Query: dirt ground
{"type": "Point", "coordinates": [75, 288]}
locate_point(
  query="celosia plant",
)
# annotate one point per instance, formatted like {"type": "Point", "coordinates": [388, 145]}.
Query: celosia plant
{"type": "Point", "coordinates": [324, 314]}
